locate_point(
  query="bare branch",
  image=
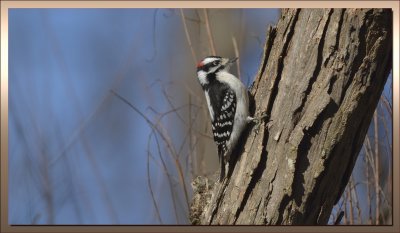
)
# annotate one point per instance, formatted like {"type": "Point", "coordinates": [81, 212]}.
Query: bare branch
{"type": "Point", "coordinates": [235, 47]}
{"type": "Point", "coordinates": [209, 33]}
{"type": "Point", "coordinates": [188, 37]}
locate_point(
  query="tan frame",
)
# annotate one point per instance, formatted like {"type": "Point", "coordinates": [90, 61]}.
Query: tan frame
{"type": "Point", "coordinates": [5, 5]}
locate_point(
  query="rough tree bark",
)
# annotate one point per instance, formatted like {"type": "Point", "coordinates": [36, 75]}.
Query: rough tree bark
{"type": "Point", "coordinates": [320, 80]}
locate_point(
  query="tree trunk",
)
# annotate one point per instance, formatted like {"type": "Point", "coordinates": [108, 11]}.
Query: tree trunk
{"type": "Point", "coordinates": [320, 80]}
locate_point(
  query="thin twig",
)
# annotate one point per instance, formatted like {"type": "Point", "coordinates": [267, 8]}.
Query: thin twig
{"type": "Point", "coordinates": [210, 37]}
{"type": "Point", "coordinates": [345, 200]}
{"type": "Point", "coordinates": [154, 37]}
{"type": "Point", "coordinates": [387, 135]}
{"type": "Point", "coordinates": [168, 176]}
{"type": "Point", "coordinates": [350, 200]}
{"type": "Point", "coordinates": [377, 193]}
{"type": "Point", "coordinates": [357, 201]}
{"type": "Point", "coordinates": [190, 155]}
{"type": "Point", "coordinates": [367, 161]}
{"type": "Point", "coordinates": [151, 189]}
{"type": "Point", "coordinates": [189, 131]}
{"type": "Point", "coordinates": [188, 37]}
{"type": "Point", "coordinates": [235, 47]}
{"type": "Point", "coordinates": [387, 105]}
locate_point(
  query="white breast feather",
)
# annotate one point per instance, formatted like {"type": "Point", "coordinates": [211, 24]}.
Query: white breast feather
{"type": "Point", "coordinates": [210, 109]}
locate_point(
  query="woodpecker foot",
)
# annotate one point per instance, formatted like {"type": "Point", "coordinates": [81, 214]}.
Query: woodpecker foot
{"type": "Point", "coordinates": [258, 120]}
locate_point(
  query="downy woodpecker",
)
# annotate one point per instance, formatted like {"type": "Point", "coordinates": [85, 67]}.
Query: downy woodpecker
{"type": "Point", "coordinates": [228, 104]}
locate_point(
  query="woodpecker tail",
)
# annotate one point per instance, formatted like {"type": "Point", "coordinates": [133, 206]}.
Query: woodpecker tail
{"type": "Point", "coordinates": [221, 163]}
{"type": "Point", "coordinates": [222, 174]}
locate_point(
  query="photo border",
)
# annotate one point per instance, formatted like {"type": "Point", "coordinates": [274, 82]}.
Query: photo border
{"type": "Point", "coordinates": [6, 5]}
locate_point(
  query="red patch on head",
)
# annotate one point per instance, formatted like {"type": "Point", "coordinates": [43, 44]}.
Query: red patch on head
{"type": "Point", "coordinates": [200, 64]}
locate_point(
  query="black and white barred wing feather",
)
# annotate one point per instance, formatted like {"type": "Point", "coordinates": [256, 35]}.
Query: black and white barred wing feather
{"type": "Point", "coordinates": [223, 121]}
{"type": "Point", "coordinates": [222, 124]}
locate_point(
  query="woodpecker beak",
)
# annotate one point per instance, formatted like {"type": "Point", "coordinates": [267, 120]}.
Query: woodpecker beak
{"type": "Point", "coordinates": [227, 62]}
{"type": "Point", "coordinates": [233, 60]}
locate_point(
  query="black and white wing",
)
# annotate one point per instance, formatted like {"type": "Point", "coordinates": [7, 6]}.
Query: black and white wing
{"type": "Point", "coordinates": [222, 106]}
{"type": "Point", "coordinates": [224, 116]}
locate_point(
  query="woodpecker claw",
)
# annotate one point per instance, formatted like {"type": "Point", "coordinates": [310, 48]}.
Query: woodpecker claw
{"type": "Point", "coordinates": [258, 120]}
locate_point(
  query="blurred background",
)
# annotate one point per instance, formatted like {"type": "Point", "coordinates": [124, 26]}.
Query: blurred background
{"type": "Point", "coordinates": [108, 124]}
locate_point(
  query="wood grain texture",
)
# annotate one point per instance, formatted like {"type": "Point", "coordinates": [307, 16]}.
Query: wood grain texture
{"type": "Point", "coordinates": [319, 81]}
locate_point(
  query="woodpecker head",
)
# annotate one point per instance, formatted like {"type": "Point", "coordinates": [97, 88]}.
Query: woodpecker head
{"type": "Point", "coordinates": [209, 66]}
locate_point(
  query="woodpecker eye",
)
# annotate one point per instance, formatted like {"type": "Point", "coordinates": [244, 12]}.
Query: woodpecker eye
{"type": "Point", "coordinates": [215, 63]}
